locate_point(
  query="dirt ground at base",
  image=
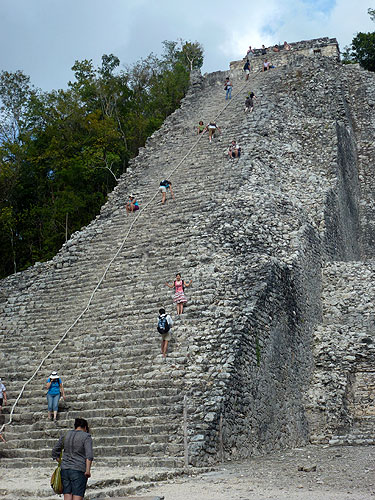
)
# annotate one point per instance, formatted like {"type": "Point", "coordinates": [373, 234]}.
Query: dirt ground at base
{"type": "Point", "coordinates": [342, 473]}
{"type": "Point", "coordinates": [339, 473]}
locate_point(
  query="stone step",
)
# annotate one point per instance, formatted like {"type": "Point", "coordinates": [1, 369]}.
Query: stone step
{"type": "Point", "coordinates": [114, 460]}
{"type": "Point", "coordinates": [131, 393]}
{"type": "Point", "coordinates": [169, 412]}
{"type": "Point", "coordinates": [118, 374]}
{"type": "Point", "coordinates": [49, 429]}
{"type": "Point", "coordinates": [47, 443]}
{"type": "Point", "coordinates": [109, 421]}
{"type": "Point", "coordinates": [123, 401]}
{"type": "Point", "coordinates": [154, 449]}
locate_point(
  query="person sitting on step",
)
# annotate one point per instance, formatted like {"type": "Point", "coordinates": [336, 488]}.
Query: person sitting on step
{"type": "Point", "coordinates": [267, 65]}
{"type": "Point", "coordinates": [132, 204]}
{"type": "Point", "coordinates": [234, 150]}
{"type": "Point", "coordinates": [200, 128]}
{"type": "Point", "coordinates": [164, 186]}
{"type": "Point", "coordinates": [165, 324]}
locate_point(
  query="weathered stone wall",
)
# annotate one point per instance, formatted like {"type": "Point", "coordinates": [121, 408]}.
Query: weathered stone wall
{"type": "Point", "coordinates": [341, 208]}
{"type": "Point", "coordinates": [341, 406]}
{"type": "Point", "coordinates": [269, 342]}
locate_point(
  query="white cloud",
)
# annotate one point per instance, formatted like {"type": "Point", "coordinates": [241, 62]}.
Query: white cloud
{"type": "Point", "coordinates": [45, 37]}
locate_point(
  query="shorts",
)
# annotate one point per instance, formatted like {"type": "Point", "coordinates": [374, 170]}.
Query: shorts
{"type": "Point", "coordinates": [247, 71]}
{"type": "Point", "coordinates": [136, 207]}
{"type": "Point", "coordinates": [162, 189]}
{"type": "Point", "coordinates": [53, 402]}
{"type": "Point", "coordinates": [74, 482]}
{"type": "Point", "coordinates": [166, 336]}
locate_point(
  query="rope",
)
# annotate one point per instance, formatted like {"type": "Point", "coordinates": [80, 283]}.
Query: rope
{"type": "Point", "coordinates": [140, 212]}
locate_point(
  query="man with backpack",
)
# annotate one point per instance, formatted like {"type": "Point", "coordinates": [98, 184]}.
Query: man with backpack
{"type": "Point", "coordinates": [165, 323]}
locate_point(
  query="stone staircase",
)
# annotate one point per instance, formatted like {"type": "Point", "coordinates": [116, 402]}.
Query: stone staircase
{"type": "Point", "coordinates": [110, 362]}
{"type": "Point", "coordinates": [251, 233]}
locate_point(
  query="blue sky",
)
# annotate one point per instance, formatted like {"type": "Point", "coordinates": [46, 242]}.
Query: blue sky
{"type": "Point", "coordinates": [43, 38]}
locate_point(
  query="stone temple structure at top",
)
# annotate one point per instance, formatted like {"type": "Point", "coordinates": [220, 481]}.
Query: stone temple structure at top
{"type": "Point", "coordinates": [276, 347]}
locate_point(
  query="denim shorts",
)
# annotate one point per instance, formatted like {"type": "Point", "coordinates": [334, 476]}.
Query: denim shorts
{"type": "Point", "coordinates": [53, 402]}
{"type": "Point", "coordinates": [74, 482]}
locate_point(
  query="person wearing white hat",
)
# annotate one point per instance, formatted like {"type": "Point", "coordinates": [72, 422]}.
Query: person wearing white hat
{"type": "Point", "coordinates": [3, 395]}
{"type": "Point", "coordinates": [55, 390]}
{"type": "Point", "coordinates": [132, 205]}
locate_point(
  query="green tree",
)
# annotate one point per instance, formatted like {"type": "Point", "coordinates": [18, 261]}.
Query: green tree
{"type": "Point", "coordinates": [362, 49]}
{"type": "Point", "coordinates": [347, 55]}
{"type": "Point", "coordinates": [15, 95]}
{"type": "Point", "coordinates": [62, 152]}
{"type": "Point", "coordinates": [8, 240]}
{"type": "Point", "coordinates": [193, 54]}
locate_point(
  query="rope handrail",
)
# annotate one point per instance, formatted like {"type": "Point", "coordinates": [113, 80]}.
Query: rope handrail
{"type": "Point", "coordinates": [101, 279]}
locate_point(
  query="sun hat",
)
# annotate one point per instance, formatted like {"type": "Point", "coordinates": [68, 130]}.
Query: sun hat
{"type": "Point", "coordinates": [54, 376]}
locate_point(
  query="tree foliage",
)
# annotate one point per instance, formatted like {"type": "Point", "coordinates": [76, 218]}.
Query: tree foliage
{"type": "Point", "coordinates": [61, 152]}
{"type": "Point", "coordinates": [362, 48]}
